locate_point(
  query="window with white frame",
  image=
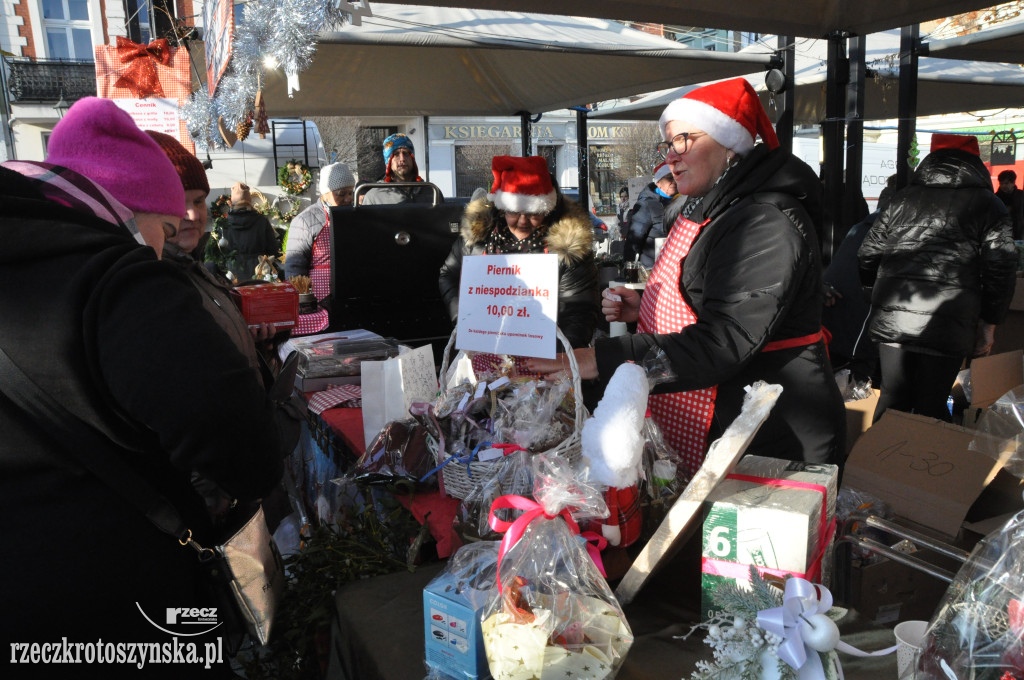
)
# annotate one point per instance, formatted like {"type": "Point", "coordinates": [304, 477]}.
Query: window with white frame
{"type": "Point", "coordinates": [68, 30]}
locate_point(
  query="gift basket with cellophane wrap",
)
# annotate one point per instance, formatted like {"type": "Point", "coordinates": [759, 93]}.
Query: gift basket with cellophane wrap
{"type": "Point", "coordinates": [977, 632]}
{"type": "Point", "coordinates": [554, 616]}
{"type": "Point", "coordinates": [481, 418]}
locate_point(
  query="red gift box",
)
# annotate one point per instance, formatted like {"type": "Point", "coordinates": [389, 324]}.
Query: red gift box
{"type": "Point", "coordinates": [273, 303]}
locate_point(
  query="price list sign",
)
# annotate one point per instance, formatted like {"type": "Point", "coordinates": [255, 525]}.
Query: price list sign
{"type": "Point", "coordinates": [508, 304]}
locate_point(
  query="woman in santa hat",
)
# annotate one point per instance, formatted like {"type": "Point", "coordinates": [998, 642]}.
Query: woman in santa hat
{"type": "Point", "coordinates": [525, 213]}
{"type": "Point", "coordinates": [736, 294]}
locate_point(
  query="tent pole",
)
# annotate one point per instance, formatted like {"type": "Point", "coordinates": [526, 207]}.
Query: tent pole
{"type": "Point", "coordinates": [524, 124]}
{"type": "Point", "coordinates": [784, 127]}
{"type": "Point", "coordinates": [853, 205]}
{"type": "Point", "coordinates": [909, 44]}
{"type": "Point", "coordinates": [832, 131]}
{"type": "Point", "coordinates": [583, 157]}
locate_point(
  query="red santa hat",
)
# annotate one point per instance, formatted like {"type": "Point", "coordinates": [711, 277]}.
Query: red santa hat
{"type": "Point", "coordinates": [661, 171]}
{"type": "Point", "coordinates": [729, 111]}
{"type": "Point", "coordinates": [522, 185]}
{"type": "Point", "coordinates": [968, 143]}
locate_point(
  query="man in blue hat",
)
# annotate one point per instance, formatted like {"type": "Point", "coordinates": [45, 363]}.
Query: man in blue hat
{"type": "Point", "coordinates": [400, 161]}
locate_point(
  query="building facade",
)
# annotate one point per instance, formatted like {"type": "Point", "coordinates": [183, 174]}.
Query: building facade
{"type": "Point", "coordinates": [48, 61]}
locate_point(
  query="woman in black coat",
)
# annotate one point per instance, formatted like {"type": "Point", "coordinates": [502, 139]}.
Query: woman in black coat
{"type": "Point", "coordinates": [505, 222]}
{"type": "Point", "coordinates": [736, 295]}
{"type": "Point", "coordinates": [120, 339]}
{"type": "Point", "coordinates": [941, 263]}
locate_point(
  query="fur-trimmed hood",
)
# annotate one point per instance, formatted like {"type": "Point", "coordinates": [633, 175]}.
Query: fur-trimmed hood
{"type": "Point", "coordinates": [571, 237]}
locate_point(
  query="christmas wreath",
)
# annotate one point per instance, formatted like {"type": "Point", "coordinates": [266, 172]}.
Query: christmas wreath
{"type": "Point", "coordinates": [294, 177]}
{"type": "Point", "coordinates": [220, 207]}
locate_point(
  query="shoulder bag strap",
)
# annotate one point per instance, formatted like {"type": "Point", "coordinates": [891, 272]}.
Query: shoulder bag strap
{"type": "Point", "coordinates": [64, 427]}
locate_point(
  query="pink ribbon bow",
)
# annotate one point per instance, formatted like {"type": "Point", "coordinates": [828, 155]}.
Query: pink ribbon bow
{"type": "Point", "coordinates": [141, 76]}
{"type": "Point", "coordinates": [532, 510]}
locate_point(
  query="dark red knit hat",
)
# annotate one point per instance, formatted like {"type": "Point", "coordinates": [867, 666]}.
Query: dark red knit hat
{"type": "Point", "coordinates": [190, 170]}
{"type": "Point", "coordinates": [968, 143]}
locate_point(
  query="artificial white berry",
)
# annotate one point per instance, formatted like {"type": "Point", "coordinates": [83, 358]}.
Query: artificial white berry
{"type": "Point", "coordinates": [819, 632]}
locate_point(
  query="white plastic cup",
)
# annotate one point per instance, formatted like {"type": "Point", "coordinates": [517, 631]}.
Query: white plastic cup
{"type": "Point", "coordinates": [909, 643]}
{"type": "Point", "coordinates": [617, 328]}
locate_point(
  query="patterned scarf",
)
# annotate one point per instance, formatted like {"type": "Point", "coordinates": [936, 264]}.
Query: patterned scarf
{"type": "Point", "coordinates": [501, 240]}
{"type": "Point", "coordinates": [70, 189]}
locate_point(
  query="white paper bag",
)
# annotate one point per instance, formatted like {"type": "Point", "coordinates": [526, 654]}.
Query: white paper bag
{"type": "Point", "coordinates": [390, 387]}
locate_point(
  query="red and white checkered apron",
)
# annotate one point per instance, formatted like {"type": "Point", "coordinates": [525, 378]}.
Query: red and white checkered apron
{"type": "Point", "coordinates": [320, 260]}
{"type": "Point", "coordinates": [684, 417]}
{"type": "Point", "coordinates": [320, 281]}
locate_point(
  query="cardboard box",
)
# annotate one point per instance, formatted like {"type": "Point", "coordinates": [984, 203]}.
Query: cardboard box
{"type": "Point", "coordinates": [924, 469]}
{"type": "Point", "coordinates": [272, 303]}
{"type": "Point", "coordinates": [859, 415]}
{"type": "Point", "coordinates": [992, 377]}
{"type": "Point", "coordinates": [887, 592]}
{"type": "Point", "coordinates": [452, 606]}
{"type": "Point", "coordinates": [754, 521]}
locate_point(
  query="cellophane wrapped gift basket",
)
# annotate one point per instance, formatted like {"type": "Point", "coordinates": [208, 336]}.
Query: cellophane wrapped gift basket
{"type": "Point", "coordinates": [478, 422]}
{"type": "Point", "coordinates": [977, 632]}
{"type": "Point", "coordinates": [554, 616]}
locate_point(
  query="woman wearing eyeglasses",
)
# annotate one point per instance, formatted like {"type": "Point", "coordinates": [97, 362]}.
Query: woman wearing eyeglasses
{"type": "Point", "coordinates": [736, 294]}
{"type": "Point", "coordinates": [525, 213]}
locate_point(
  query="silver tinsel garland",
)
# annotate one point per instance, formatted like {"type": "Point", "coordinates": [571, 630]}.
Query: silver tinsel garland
{"type": "Point", "coordinates": [200, 114]}
{"type": "Point", "coordinates": [285, 31]}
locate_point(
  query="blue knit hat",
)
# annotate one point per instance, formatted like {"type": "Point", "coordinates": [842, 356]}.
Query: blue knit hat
{"type": "Point", "coordinates": [397, 141]}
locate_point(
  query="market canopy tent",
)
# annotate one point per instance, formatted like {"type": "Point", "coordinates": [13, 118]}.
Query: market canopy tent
{"type": "Point", "coordinates": [407, 60]}
{"type": "Point", "coordinates": [1001, 44]}
{"type": "Point", "coordinates": [806, 18]}
{"type": "Point", "coordinates": [944, 85]}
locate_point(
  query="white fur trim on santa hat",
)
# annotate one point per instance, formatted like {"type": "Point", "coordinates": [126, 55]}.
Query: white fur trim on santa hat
{"type": "Point", "coordinates": [723, 129]}
{"type": "Point", "coordinates": [661, 171]}
{"type": "Point", "coordinates": [524, 203]}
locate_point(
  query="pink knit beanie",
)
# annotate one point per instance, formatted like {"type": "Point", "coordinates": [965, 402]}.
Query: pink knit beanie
{"type": "Point", "coordinates": [100, 141]}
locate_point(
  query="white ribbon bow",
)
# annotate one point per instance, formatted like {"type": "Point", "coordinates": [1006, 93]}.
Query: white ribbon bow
{"type": "Point", "coordinates": [801, 600]}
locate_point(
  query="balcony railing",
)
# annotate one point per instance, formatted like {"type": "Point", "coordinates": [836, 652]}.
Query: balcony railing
{"type": "Point", "coordinates": [45, 80]}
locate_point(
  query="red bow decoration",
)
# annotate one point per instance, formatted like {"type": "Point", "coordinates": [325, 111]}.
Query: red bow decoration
{"type": "Point", "coordinates": [141, 77]}
{"type": "Point", "coordinates": [514, 530]}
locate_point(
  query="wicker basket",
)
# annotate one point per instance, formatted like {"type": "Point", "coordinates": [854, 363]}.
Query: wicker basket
{"type": "Point", "coordinates": [455, 479]}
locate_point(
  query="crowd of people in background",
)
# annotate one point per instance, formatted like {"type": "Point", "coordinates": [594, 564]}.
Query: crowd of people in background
{"type": "Point", "coordinates": [106, 299]}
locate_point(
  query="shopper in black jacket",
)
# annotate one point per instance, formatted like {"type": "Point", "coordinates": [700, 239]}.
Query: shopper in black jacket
{"type": "Point", "coordinates": [736, 294]}
{"type": "Point", "coordinates": [120, 339]}
{"type": "Point", "coordinates": [248, 235]}
{"type": "Point", "coordinates": [507, 222]}
{"type": "Point", "coordinates": [941, 264]}
{"type": "Point", "coordinates": [647, 217]}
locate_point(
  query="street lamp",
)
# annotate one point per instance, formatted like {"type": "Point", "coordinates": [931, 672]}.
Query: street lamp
{"type": "Point", "coordinates": [62, 106]}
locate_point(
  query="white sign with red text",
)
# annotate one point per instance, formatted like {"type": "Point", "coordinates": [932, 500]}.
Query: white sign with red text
{"type": "Point", "coordinates": [508, 304]}
{"type": "Point", "coordinates": [153, 113]}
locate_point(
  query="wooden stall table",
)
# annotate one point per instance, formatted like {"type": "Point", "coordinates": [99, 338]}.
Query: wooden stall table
{"type": "Point", "coordinates": [377, 632]}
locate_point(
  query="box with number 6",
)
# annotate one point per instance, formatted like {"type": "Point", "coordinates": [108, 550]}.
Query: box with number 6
{"type": "Point", "coordinates": [777, 515]}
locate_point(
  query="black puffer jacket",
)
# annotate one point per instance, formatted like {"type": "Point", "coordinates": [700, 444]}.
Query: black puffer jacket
{"type": "Point", "coordinates": [940, 257]}
{"type": "Point", "coordinates": [753, 275]}
{"type": "Point", "coordinates": [570, 237]}
{"type": "Point", "coordinates": [250, 235]}
{"type": "Point", "coordinates": [646, 223]}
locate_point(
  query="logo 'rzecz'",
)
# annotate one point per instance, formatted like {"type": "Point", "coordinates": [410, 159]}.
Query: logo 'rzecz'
{"type": "Point", "coordinates": [186, 615]}
{"type": "Point", "coordinates": [186, 621]}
